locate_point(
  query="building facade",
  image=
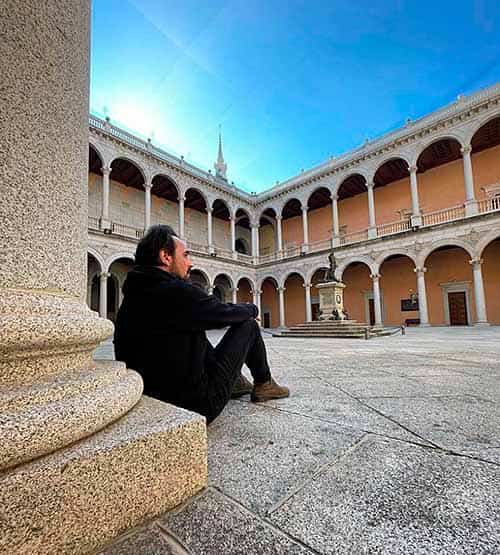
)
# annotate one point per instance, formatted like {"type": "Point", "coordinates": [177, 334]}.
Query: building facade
{"type": "Point", "coordinates": [413, 218]}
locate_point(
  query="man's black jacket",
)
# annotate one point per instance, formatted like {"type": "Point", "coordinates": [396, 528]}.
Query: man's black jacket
{"type": "Point", "coordinates": [160, 332]}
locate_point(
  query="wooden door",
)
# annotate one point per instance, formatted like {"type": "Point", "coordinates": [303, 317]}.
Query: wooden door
{"type": "Point", "coordinates": [267, 319]}
{"type": "Point", "coordinates": [371, 309]}
{"type": "Point", "coordinates": [458, 308]}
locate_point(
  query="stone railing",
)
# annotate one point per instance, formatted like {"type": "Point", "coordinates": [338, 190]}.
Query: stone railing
{"type": "Point", "coordinates": [355, 237]}
{"type": "Point", "coordinates": [94, 223]}
{"type": "Point", "coordinates": [488, 205]}
{"type": "Point", "coordinates": [127, 230]}
{"type": "Point", "coordinates": [247, 258]}
{"type": "Point", "coordinates": [393, 227]}
{"type": "Point", "coordinates": [197, 247]}
{"type": "Point", "coordinates": [269, 257]}
{"type": "Point", "coordinates": [292, 249]}
{"type": "Point", "coordinates": [444, 215]}
{"type": "Point", "coordinates": [321, 245]}
{"type": "Point", "coordinates": [223, 251]}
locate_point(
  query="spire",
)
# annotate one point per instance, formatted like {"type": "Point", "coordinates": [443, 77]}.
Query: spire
{"type": "Point", "coordinates": [220, 166]}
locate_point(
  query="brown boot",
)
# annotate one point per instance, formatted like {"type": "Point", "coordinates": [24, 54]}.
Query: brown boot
{"type": "Point", "coordinates": [268, 390]}
{"type": "Point", "coordinates": [241, 387]}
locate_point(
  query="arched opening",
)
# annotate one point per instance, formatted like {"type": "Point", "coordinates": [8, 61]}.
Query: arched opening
{"type": "Point", "coordinates": [126, 198]}
{"type": "Point", "coordinates": [164, 201]}
{"type": "Point", "coordinates": [195, 217]}
{"type": "Point", "coordinates": [93, 273]}
{"type": "Point", "coordinates": [221, 227]}
{"type": "Point", "coordinates": [352, 206]}
{"type": "Point", "coordinates": [393, 203]}
{"type": "Point", "coordinates": [316, 278]}
{"type": "Point", "coordinates": [449, 284]}
{"type": "Point", "coordinates": [245, 288]}
{"type": "Point", "coordinates": [199, 279]}
{"type": "Point", "coordinates": [486, 164]}
{"type": "Point", "coordinates": [268, 240]}
{"type": "Point", "coordinates": [94, 187]}
{"type": "Point", "coordinates": [295, 302]}
{"type": "Point", "coordinates": [440, 176]}
{"type": "Point", "coordinates": [398, 287]}
{"type": "Point", "coordinates": [243, 234]}
{"type": "Point", "coordinates": [358, 294]}
{"type": "Point", "coordinates": [118, 271]}
{"type": "Point", "coordinates": [223, 288]}
{"type": "Point", "coordinates": [293, 233]}
{"type": "Point", "coordinates": [269, 303]}
{"type": "Point", "coordinates": [320, 216]}
{"type": "Point", "coordinates": [491, 279]}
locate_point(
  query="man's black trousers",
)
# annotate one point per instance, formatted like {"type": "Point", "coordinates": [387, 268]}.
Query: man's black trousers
{"type": "Point", "coordinates": [241, 344]}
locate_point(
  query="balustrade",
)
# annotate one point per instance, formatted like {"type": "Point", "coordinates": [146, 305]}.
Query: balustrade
{"type": "Point", "coordinates": [393, 227]}
{"type": "Point", "coordinates": [444, 215]}
{"type": "Point", "coordinates": [489, 205]}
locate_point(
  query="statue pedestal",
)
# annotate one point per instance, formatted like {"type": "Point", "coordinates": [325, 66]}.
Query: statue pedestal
{"type": "Point", "coordinates": [331, 300]}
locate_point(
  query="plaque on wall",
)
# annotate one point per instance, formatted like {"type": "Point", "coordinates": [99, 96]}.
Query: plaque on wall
{"type": "Point", "coordinates": [409, 304]}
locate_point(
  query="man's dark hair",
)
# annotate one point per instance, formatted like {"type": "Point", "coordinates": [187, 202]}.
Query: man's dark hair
{"type": "Point", "coordinates": [158, 237]}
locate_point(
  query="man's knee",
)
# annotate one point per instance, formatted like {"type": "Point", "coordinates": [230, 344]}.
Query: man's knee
{"type": "Point", "coordinates": [251, 325]}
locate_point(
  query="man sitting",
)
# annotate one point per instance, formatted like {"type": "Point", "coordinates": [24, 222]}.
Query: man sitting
{"type": "Point", "coordinates": [160, 332]}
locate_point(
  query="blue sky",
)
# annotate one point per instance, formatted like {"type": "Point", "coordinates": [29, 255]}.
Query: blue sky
{"type": "Point", "coordinates": [291, 82]}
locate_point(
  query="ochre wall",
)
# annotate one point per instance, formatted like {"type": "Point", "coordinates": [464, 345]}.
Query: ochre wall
{"type": "Point", "coordinates": [443, 267]}
{"type": "Point", "coordinates": [390, 200]}
{"type": "Point", "coordinates": [244, 294]}
{"type": "Point", "coordinates": [486, 169]}
{"type": "Point", "coordinates": [353, 213]}
{"type": "Point", "coordinates": [398, 281]}
{"type": "Point", "coordinates": [295, 303]}
{"type": "Point", "coordinates": [269, 302]}
{"type": "Point", "coordinates": [292, 230]}
{"type": "Point", "coordinates": [357, 280]}
{"type": "Point", "coordinates": [266, 240]}
{"type": "Point", "coordinates": [441, 187]}
{"type": "Point", "coordinates": [491, 278]}
{"type": "Point", "coordinates": [319, 223]}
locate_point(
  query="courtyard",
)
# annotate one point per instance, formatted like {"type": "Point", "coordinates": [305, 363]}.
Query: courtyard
{"type": "Point", "coordinates": [390, 445]}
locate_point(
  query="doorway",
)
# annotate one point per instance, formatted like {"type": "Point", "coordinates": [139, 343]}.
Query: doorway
{"type": "Point", "coordinates": [267, 319]}
{"type": "Point", "coordinates": [457, 306]}
{"type": "Point", "coordinates": [371, 310]}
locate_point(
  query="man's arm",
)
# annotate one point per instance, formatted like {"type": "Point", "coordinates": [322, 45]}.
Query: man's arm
{"type": "Point", "coordinates": [199, 311]}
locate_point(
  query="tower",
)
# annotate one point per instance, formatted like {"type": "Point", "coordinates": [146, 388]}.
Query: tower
{"type": "Point", "coordinates": [220, 166]}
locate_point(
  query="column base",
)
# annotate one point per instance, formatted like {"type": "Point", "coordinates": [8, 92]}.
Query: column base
{"type": "Point", "coordinates": [471, 208]}
{"type": "Point", "coordinates": [336, 241]}
{"type": "Point", "coordinates": [78, 498]}
{"type": "Point", "coordinates": [105, 225]}
{"type": "Point", "coordinates": [424, 325]}
{"type": "Point", "coordinates": [372, 232]}
{"type": "Point", "coordinates": [481, 324]}
{"type": "Point", "coordinates": [416, 221]}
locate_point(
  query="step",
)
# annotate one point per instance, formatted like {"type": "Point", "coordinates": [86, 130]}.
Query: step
{"type": "Point", "coordinates": [79, 498]}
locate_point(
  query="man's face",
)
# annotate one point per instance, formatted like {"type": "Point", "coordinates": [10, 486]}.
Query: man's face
{"type": "Point", "coordinates": [180, 263]}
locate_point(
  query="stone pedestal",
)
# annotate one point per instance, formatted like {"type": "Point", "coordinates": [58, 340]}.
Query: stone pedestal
{"type": "Point", "coordinates": [65, 468]}
{"type": "Point", "coordinates": [331, 300]}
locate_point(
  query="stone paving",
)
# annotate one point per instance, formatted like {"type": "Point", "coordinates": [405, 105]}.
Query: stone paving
{"type": "Point", "coordinates": [390, 445]}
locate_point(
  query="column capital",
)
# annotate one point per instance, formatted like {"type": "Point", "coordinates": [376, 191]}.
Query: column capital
{"type": "Point", "coordinates": [412, 168]}
{"type": "Point", "coordinates": [104, 275]}
{"type": "Point", "coordinates": [281, 289]}
{"type": "Point", "coordinates": [375, 277]}
{"type": "Point", "coordinates": [306, 285]}
{"type": "Point", "coordinates": [466, 149]}
{"type": "Point", "coordinates": [370, 185]}
{"type": "Point", "coordinates": [106, 170]}
{"type": "Point", "coordinates": [255, 225]}
{"type": "Point", "coordinates": [335, 197]}
{"type": "Point", "coordinates": [234, 290]}
{"type": "Point", "coordinates": [147, 186]}
{"type": "Point", "coordinates": [256, 292]}
{"type": "Point", "coordinates": [182, 198]}
{"type": "Point", "coordinates": [232, 218]}
{"type": "Point", "coordinates": [304, 208]}
{"type": "Point", "coordinates": [420, 270]}
{"type": "Point", "coordinates": [279, 217]}
{"type": "Point", "coordinates": [476, 262]}
{"type": "Point", "coordinates": [209, 210]}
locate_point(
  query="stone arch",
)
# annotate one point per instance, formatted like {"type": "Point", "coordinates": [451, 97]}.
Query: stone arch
{"type": "Point", "coordinates": [92, 145]}
{"type": "Point", "coordinates": [436, 139]}
{"type": "Point", "coordinates": [225, 276]}
{"type": "Point", "coordinates": [131, 161]}
{"type": "Point", "coordinates": [481, 123]}
{"type": "Point", "coordinates": [200, 192]}
{"type": "Point", "coordinates": [288, 202]}
{"type": "Point", "coordinates": [223, 201]}
{"type": "Point", "coordinates": [485, 241]}
{"type": "Point", "coordinates": [344, 177]}
{"type": "Point", "coordinates": [360, 259]}
{"type": "Point", "coordinates": [267, 276]}
{"type": "Point", "coordinates": [99, 259]}
{"type": "Point", "coordinates": [290, 273]}
{"type": "Point", "coordinates": [116, 256]}
{"type": "Point", "coordinates": [458, 243]}
{"type": "Point", "coordinates": [243, 276]}
{"type": "Point", "coordinates": [171, 180]}
{"type": "Point", "coordinates": [388, 254]}
{"type": "Point", "coordinates": [389, 158]}
{"type": "Point", "coordinates": [315, 269]}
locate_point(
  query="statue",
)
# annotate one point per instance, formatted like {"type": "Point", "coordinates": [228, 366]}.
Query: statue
{"type": "Point", "coordinates": [330, 272]}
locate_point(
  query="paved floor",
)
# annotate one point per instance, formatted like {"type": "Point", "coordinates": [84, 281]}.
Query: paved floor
{"type": "Point", "coordinates": [390, 445]}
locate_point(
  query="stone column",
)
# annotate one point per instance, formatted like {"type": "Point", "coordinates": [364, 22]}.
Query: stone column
{"type": "Point", "coordinates": [105, 221]}
{"type": "Point", "coordinates": [71, 434]}
{"type": "Point", "coordinates": [281, 293]}
{"type": "Point", "coordinates": [470, 197]}
{"type": "Point", "coordinates": [255, 242]}
{"type": "Point", "coordinates": [335, 221]}
{"type": "Point", "coordinates": [377, 305]}
{"type": "Point", "coordinates": [305, 229]}
{"type": "Point", "coordinates": [256, 301]}
{"type": "Point", "coordinates": [416, 217]}
{"type": "Point", "coordinates": [234, 292]}
{"type": "Point", "coordinates": [307, 287]}
{"type": "Point", "coordinates": [422, 296]}
{"type": "Point", "coordinates": [181, 216]}
{"type": "Point", "coordinates": [372, 225]}
{"type": "Point", "coordinates": [209, 225]}
{"type": "Point", "coordinates": [232, 220]}
{"type": "Point", "coordinates": [479, 297]}
{"type": "Point", "coordinates": [103, 294]}
{"type": "Point", "coordinates": [147, 205]}
{"type": "Point", "coordinates": [210, 289]}
{"type": "Point", "coordinates": [280, 235]}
